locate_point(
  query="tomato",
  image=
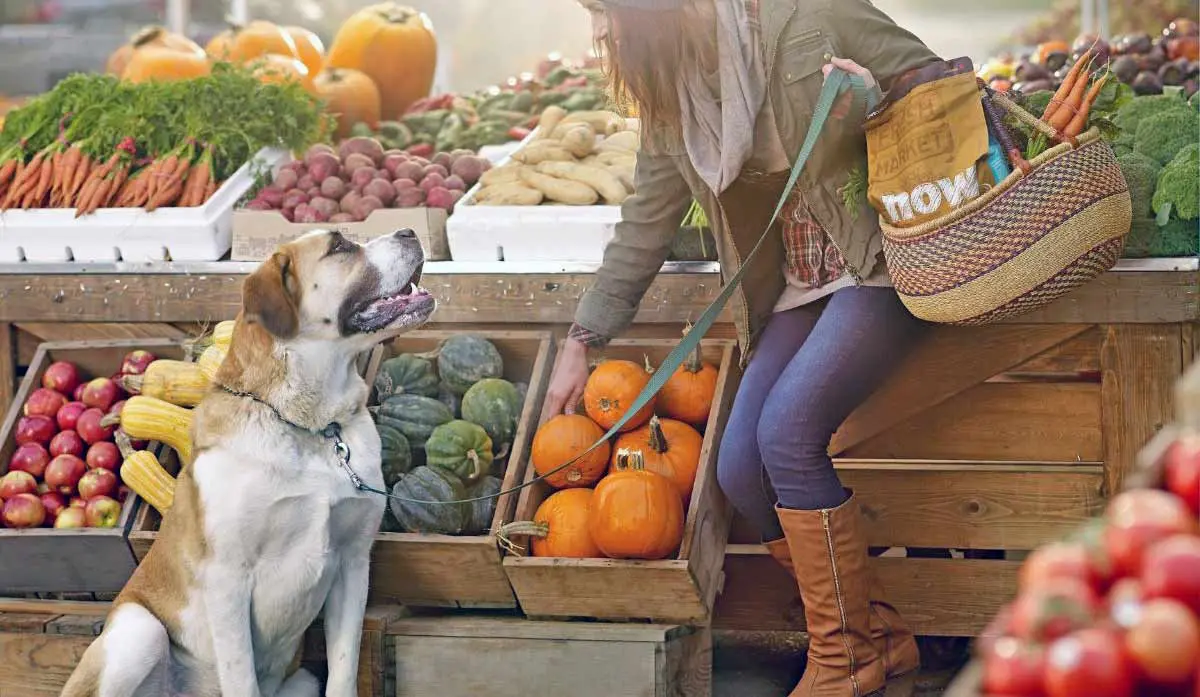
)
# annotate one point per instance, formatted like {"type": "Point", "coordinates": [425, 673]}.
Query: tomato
{"type": "Point", "coordinates": [1172, 570]}
{"type": "Point", "coordinates": [1124, 601]}
{"type": "Point", "coordinates": [1181, 470]}
{"type": "Point", "coordinates": [1067, 560]}
{"type": "Point", "coordinates": [1053, 609]}
{"type": "Point", "coordinates": [1013, 669]}
{"type": "Point", "coordinates": [1136, 520]}
{"type": "Point", "coordinates": [1164, 642]}
{"type": "Point", "coordinates": [1088, 663]}
{"type": "Point", "coordinates": [998, 628]}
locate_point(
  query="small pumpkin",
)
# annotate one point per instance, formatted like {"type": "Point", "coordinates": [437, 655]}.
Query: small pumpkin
{"type": "Point", "coordinates": [162, 64]}
{"type": "Point", "coordinates": [484, 509]}
{"type": "Point", "coordinates": [562, 439]}
{"type": "Point", "coordinates": [446, 396]}
{"type": "Point", "coordinates": [688, 393]}
{"type": "Point", "coordinates": [350, 96]}
{"type": "Point", "coordinates": [670, 448]}
{"type": "Point", "coordinates": [564, 518]}
{"type": "Point", "coordinates": [414, 416]}
{"type": "Point", "coordinates": [406, 374]}
{"type": "Point", "coordinates": [450, 517]}
{"type": "Point", "coordinates": [460, 447]}
{"type": "Point", "coordinates": [465, 359]}
{"type": "Point", "coordinates": [239, 44]}
{"type": "Point", "coordinates": [276, 69]}
{"type": "Point", "coordinates": [393, 44]}
{"type": "Point", "coordinates": [395, 454]}
{"type": "Point", "coordinates": [494, 404]}
{"type": "Point", "coordinates": [636, 513]}
{"type": "Point", "coordinates": [149, 36]}
{"type": "Point", "coordinates": [309, 48]}
{"type": "Point", "coordinates": [610, 391]}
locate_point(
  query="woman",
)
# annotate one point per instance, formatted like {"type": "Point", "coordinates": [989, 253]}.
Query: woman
{"type": "Point", "coordinates": [726, 90]}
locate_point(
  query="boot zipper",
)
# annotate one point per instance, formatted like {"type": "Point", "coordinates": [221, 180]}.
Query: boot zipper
{"type": "Point", "coordinates": [837, 589]}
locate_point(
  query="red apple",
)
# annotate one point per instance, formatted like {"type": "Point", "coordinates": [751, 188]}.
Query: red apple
{"type": "Point", "coordinates": [1139, 518]}
{"type": "Point", "coordinates": [121, 394]}
{"type": "Point", "coordinates": [1171, 569]}
{"type": "Point", "coordinates": [122, 493]}
{"type": "Point", "coordinates": [1181, 469]}
{"type": "Point", "coordinates": [24, 511]}
{"type": "Point", "coordinates": [44, 402]}
{"type": "Point", "coordinates": [136, 362]}
{"type": "Point", "coordinates": [77, 393]}
{"type": "Point", "coordinates": [1164, 642]}
{"type": "Point", "coordinates": [1088, 663]}
{"type": "Point", "coordinates": [71, 517]}
{"type": "Point", "coordinates": [1053, 609]}
{"type": "Point", "coordinates": [104, 455]}
{"type": "Point", "coordinates": [102, 512]}
{"type": "Point", "coordinates": [100, 393]}
{"type": "Point", "coordinates": [76, 502]}
{"type": "Point", "coordinates": [1063, 560]}
{"type": "Point", "coordinates": [1011, 667]}
{"type": "Point", "coordinates": [31, 458]}
{"type": "Point", "coordinates": [89, 427]}
{"type": "Point", "coordinates": [116, 407]}
{"type": "Point", "coordinates": [14, 484]}
{"type": "Point", "coordinates": [97, 482]}
{"type": "Point", "coordinates": [69, 415]}
{"type": "Point", "coordinates": [35, 429]}
{"type": "Point", "coordinates": [67, 443]}
{"type": "Point", "coordinates": [54, 503]}
{"type": "Point", "coordinates": [61, 376]}
{"type": "Point", "coordinates": [43, 488]}
{"type": "Point", "coordinates": [64, 472]}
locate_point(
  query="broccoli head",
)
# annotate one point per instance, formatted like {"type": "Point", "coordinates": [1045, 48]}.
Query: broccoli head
{"type": "Point", "coordinates": [1178, 238]}
{"type": "Point", "coordinates": [1162, 136]}
{"type": "Point", "coordinates": [1179, 185]}
{"type": "Point", "coordinates": [1141, 174]}
{"type": "Point", "coordinates": [1129, 116]}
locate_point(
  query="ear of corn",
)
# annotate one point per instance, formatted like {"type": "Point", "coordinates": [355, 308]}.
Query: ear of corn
{"type": "Point", "coordinates": [145, 476]}
{"type": "Point", "coordinates": [210, 361]}
{"type": "Point", "coordinates": [149, 418]}
{"type": "Point", "coordinates": [177, 382]}
{"type": "Point", "coordinates": [222, 334]}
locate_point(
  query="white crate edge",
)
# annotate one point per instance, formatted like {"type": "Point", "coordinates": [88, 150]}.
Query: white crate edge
{"type": "Point", "coordinates": [201, 233]}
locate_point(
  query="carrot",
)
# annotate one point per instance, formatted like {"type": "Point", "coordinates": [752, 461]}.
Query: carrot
{"type": "Point", "coordinates": [167, 194]}
{"type": "Point", "coordinates": [213, 185]}
{"type": "Point", "coordinates": [25, 180]}
{"type": "Point", "coordinates": [118, 182]}
{"type": "Point", "coordinates": [7, 170]}
{"type": "Point", "coordinates": [1064, 90]}
{"type": "Point", "coordinates": [85, 196]}
{"type": "Point", "coordinates": [38, 194]}
{"type": "Point", "coordinates": [65, 173]}
{"type": "Point", "coordinates": [160, 170]}
{"type": "Point", "coordinates": [1079, 121]}
{"type": "Point", "coordinates": [127, 189]}
{"type": "Point", "coordinates": [1070, 109]}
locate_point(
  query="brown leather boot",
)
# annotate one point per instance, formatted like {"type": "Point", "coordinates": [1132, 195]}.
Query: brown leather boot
{"type": "Point", "coordinates": [829, 557]}
{"type": "Point", "coordinates": [889, 633]}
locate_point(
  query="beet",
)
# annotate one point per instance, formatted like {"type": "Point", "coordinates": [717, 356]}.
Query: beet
{"type": "Point", "coordinates": [342, 218]}
{"type": "Point", "coordinates": [432, 180]}
{"type": "Point", "coordinates": [470, 169]}
{"type": "Point", "coordinates": [402, 184]}
{"type": "Point", "coordinates": [294, 198]}
{"type": "Point", "coordinates": [1147, 83]}
{"type": "Point", "coordinates": [381, 189]}
{"type": "Point", "coordinates": [436, 169]}
{"type": "Point", "coordinates": [349, 201]}
{"type": "Point", "coordinates": [1125, 68]}
{"type": "Point", "coordinates": [361, 145]}
{"type": "Point", "coordinates": [363, 176]}
{"type": "Point", "coordinates": [366, 206]}
{"type": "Point", "coordinates": [409, 170]}
{"type": "Point", "coordinates": [286, 179]}
{"type": "Point", "coordinates": [439, 197]}
{"type": "Point", "coordinates": [391, 162]}
{"type": "Point", "coordinates": [443, 159]}
{"type": "Point", "coordinates": [455, 183]}
{"type": "Point", "coordinates": [354, 163]}
{"type": "Point", "coordinates": [412, 197]}
{"type": "Point", "coordinates": [333, 187]}
{"type": "Point", "coordinates": [326, 206]}
{"type": "Point", "coordinates": [323, 165]}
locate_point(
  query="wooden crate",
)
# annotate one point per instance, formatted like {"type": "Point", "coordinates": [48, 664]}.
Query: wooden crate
{"type": "Point", "coordinates": [462, 571]}
{"type": "Point", "coordinates": [90, 560]}
{"type": "Point", "coordinates": [679, 590]}
{"type": "Point", "coordinates": [513, 657]}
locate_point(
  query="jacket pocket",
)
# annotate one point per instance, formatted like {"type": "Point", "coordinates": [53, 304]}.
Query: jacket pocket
{"type": "Point", "coordinates": [801, 57]}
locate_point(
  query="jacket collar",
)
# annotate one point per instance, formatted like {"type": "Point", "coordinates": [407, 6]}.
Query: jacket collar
{"type": "Point", "coordinates": [774, 16]}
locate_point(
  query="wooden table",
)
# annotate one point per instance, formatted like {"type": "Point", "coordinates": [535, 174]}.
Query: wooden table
{"type": "Point", "coordinates": [991, 440]}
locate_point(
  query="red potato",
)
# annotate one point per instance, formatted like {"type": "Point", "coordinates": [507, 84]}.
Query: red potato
{"type": "Point", "coordinates": [306, 182]}
{"type": "Point", "coordinates": [289, 214]}
{"type": "Point", "coordinates": [393, 161]}
{"type": "Point", "coordinates": [17, 483]}
{"type": "Point", "coordinates": [455, 183]}
{"type": "Point", "coordinates": [443, 159]}
{"type": "Point", "coordinates": [437, 169]}
{"type": "Point", "coordinates": [296, 166]}
{"type": "Point", "coordinates": [103, 455]}
{"type": "Point", "coordinates": [313, 193]}
{"type": "Point", "coordinates": [89, 427]}
{"type": "Point", "coordinates": [440, 197]}
{"type": "Point", "coordinates": [35, 429]}
{"type": "Point", "coordinates": [67, 443]}
{"type": "Point", "coordinates": [402, 184]}
{"type": "Point", "coordinates": [1171, 569]}
{"type": "Point", "coordinates": [31, 458]}
{"type": "Point", "coordinates": [258, 205]}
{"type": "Point", "coordinates": [318, 148]}
{"type": "Point", "coordinates": [361, 145]}
{"type": "Point", "coordinates": [334, 188]}
{"type": "Point", "coordinates": [24, 511]}
{"type": "Point", "coordinates": [63, 474]}
{"type": "Point", "coordinates": [1139, 518]}
{"type": "Point", "coordinates": [381, 189]}
{"type": "Point", "coordinates": [100, 393]}
{"type": "Point", "coordinates": [470, 169]}
{"type": "Point", "coordinates": [431, 181]}
{"type": "Point", "coordinates": [272, 196]}
{"type": "Point", "coordinates": [286, 179]}
{"type": "Point", "coordinates": [305, 213]}
{"type": "Point", "coordinates": [326, 206]}
{"type": "Point", "coordinates": [418, 159]}
{"type": "Point", "coordinates": [44, 402]}
{"type": "Point", "coordinates": [1181, 471]}
{"type": "Point", "coordinates": [366, 206]}
{"type": "Point", "coordinates": [355, 162]}
{"type": "Point", "coordinates": [294, 198]}
{"type": "Point", "coordinates": [409, 170]}
{"type": "Point", "coordinates": [62, 377]}
{"type": "Point", "coordinates": [363, 176]}
{"type": "Point", "coordinates": [349, 201]}
{"type": "Point", "coordinates": [323, 165]}
{"type": "Point", "coordinates": [410, 198]}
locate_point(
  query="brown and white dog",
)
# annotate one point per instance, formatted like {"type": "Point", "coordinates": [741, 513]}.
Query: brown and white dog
{"type": "Point", "coordinates": [266, 527]}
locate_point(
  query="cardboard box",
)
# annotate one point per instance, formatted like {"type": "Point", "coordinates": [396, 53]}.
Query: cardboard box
{"type": "Point", "coordinates": [257, 233]}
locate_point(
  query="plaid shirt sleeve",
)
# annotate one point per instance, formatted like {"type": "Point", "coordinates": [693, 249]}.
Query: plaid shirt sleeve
{"type": "Point", "coordinates": [587, 337]}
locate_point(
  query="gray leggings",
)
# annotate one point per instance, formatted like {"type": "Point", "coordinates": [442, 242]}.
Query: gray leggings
{"type": "Point", "coordinates": [812, 366]}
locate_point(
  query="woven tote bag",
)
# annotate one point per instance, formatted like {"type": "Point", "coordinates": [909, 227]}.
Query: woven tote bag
{"type": "Point", "coordinates": [1022, 244]}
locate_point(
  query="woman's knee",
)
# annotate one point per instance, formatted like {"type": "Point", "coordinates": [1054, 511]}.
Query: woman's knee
{"type": "Point", "coordinates": [737, 462]}
{"type": "Point", "coordinates": [793, 426]}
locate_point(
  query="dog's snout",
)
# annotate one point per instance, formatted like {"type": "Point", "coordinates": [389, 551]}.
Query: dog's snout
{"type": "Point", "coordinates": [405, 234]}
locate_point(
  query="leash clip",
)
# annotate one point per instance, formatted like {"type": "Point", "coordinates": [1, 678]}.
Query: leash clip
{"type": "Point", "coordinates": [342, 452]}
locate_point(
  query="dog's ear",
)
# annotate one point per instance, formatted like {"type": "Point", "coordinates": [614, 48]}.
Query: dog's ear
{"type": "Point", "coordinates": [269, 296]}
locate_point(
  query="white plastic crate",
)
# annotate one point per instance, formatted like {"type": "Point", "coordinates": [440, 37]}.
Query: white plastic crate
{"type": "Point", "coordinates": [201, 233]}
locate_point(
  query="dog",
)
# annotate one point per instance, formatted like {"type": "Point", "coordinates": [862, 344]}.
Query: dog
{"type": "Point", "coordinates": [267, 527]}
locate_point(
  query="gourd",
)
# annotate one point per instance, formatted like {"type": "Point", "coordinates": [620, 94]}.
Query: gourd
{"type": "Point", "coordinates": [446, 396]}
{"type": "Point", "coordinates": [406, 374]}
{"type": "Point", "coordinates": [394, 45]}
{"type": "Point", "coordinates": [222, 334]}
{"type": "Point", "coordinates": [610, 391]}
{"type": "Point", "coordinates": [180, 383]}
{"type": "Point", "coordinates": [560, 440]}
{"type": "Point", "coordinates": [239, 44]}
{"type": "Point", "coordinates": [670, 448]}
{"type": "Point", "coordinates": [636, 513]}
{"type": "Point", "coordinates": [164, 64]}
{"type": "Point", "coordinates": [145, 476]}
{"type": "Point", "coordinates": [688, 393]}
{"type": "Point", "coordinates": [414, 416]}
{"type": "Point", "coordinates": [210, 361]}
{"type": "Point", "coordinates": [562, 526]}
{"type": "Point", "coordinates": [430, 484]}
{"type": "Point", "coordinates": [465, 359]}
{"type": "Point", "coordinates": [495, 405]}
{"type": "Point", "coordinates": [309, 48]}
{"type": "Point", "coordinates": [461, 448]}
{"type": "Point", "coordinates": [395, 454]}
{"type": "Point", "coordinates": [483, 510]}
{"type": "Point", "coordinates": [350, 96]}
{"type": "Point", "coordinates": [154, 35]}
{"type": "Point", "coordinates": [148, 418]}
{"type": "Point", "coordinates": [276, 69]}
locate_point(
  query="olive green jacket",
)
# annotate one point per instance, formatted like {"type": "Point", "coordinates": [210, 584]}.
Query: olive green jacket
{"type": "Point", "coordinates": [799, 37]}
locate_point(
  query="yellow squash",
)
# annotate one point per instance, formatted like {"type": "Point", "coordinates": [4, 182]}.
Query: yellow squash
{"type": "Point", "coordinates": [147, 418]}
{"type": "Point", "coordinates": [144, 474]}
{"type": "Point", "coordinates": [180, 383]}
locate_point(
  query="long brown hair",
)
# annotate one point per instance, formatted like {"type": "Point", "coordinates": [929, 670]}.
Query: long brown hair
{"type": "Point", "coordinates": [647, 53]}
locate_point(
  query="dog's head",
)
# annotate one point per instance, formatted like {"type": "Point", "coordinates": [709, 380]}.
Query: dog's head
{"type": "Point", "coordinates": [323, 287]}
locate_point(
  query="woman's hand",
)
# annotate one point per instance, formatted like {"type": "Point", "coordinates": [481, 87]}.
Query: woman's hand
{"type": "Point", "coordinates": [567, 379]}
{"type": "Point", "coordinates": [841, 109]}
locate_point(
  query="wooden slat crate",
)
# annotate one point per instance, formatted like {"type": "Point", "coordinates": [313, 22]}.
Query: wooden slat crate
{"type": "Point", "coordinates": [91, 560]}
{"type": "Point", "coordinates": [679, 590]}
{"type": "Point", "coordinates": [463, 571]}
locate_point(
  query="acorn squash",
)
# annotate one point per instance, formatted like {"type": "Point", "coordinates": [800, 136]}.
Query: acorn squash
{"type": "Point", "coordinates": [395, 454]}
{"type": "Point", "coordinates": [414, 416]}
{"type": "Point", "coordinates": [484, 510]}
{"type": "Point", "coordinates": [430, 484]}
{"type": "Point", "coordinates": [406, 374]}
{"type": "Point", "coordinates": [461, 448]}
{"type": "Point", "coordinates": [465, 359]}
{"type": "Point", "coordinates": [494, 404]}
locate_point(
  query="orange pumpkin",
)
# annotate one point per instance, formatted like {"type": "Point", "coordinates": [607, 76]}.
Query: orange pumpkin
{"type": "Point", "coordinates": [350, 96]}
{"type": "Point", "coordinates": [393, 44]}
{"type": "Point", "coordinates": [560, 440]}
{"type": "Point", "coordinates": [562, 520]}
{"type": "Point", "coordinates": [636, 513]}
{"type": "Point", "coordinates": [149, 36]}
{"type": "Point", "coordinates": [610, 391]}
{"type": "Point", "coordinates": [309, 48]}
{"type": "Point", "coordinates": [274, 68]}
{"type": "Point", "coordinates": [688, 393]}
{"type": "Point", "coordinates": [670, 448]}
{"type": "Point", "coordinates": [239, 44]}
{"type": "Point", "coordinates": [165, 64]}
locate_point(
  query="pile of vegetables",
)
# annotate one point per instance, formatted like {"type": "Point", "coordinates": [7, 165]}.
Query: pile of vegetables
{"type": "Point", "coordinates": [577, 159]}
{"type": "Point", "coordinates": [446, 421]}
{"type": "Point", "coordinates": [95, 141]}
{"type": "Point", "coordinates": [628, 499]}
{"type": "Point", "coordinates": [360, 177]}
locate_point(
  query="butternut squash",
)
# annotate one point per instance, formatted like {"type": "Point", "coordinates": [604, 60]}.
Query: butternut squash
{"type": "Point", "coordinates": [144, 474]}
{"type": "Point", "coordinates": [148, 418]}
{"type": "Point", "coordinates": [210, 361]}
{"type": "Point", "coordinates": [180, 383]}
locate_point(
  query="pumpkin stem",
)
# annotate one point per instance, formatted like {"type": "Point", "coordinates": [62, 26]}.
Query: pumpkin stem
{"type": "Point", "coordinates": [503, 451]}
{"type": "Point", "coordinates": [658, 439]}
{"type": "Point", "coordinates": [526, 528]}
{"type": "Point", "coordinates": [628, 459]}
{"type": "Point", "coordinates": [694, 362]}
{"type": "Point", "coordinates": [146, 35]}
{"type": "Point", "coordinates": [649, 368]}
{"type": "Point", "coordinates": [430, 355]}
{"type": "Point", "coordinates": [477, 464]}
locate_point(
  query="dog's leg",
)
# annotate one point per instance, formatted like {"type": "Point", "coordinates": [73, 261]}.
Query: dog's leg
{"type": "Point", "coordinates": [129, 659]}
{"type": "Point", "coordinates": [344, 610]}
{"type": "Point", "coordinates": [300, 684]}
{"type": "Point", "coordinates": [227, 604]}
